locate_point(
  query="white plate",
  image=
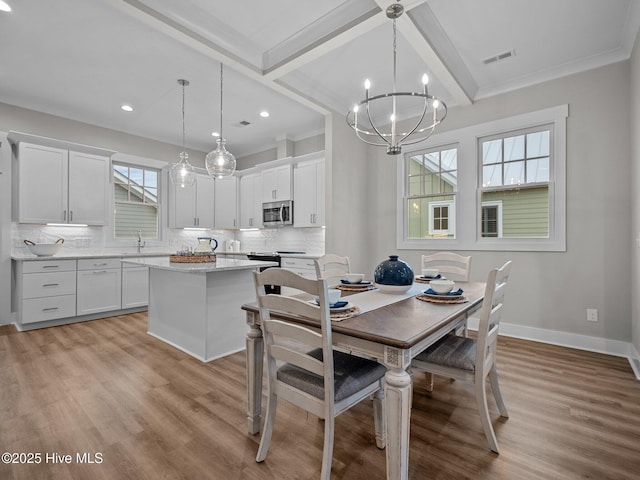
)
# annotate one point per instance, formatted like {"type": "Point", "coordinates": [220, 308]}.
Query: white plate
{"type": "Point", "coordinates": [333, 310]}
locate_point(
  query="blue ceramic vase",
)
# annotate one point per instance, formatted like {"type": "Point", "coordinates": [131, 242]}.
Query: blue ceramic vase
{"type": "Point", "coordinates": [393, 272]}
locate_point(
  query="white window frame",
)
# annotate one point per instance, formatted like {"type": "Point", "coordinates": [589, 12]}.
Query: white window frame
{"type": "Point", "coordinates": [498, 204]}
{"type": "Point", "coordinates": [468, 209]}
{"type": "Point", "coordinates": [451, 218]}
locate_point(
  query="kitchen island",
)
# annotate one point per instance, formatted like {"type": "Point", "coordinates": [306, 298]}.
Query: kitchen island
{"type": "Point", "coordinates": [195, 307]}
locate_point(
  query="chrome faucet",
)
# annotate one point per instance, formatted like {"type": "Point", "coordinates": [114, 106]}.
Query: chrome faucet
{"type": "Point", "coordinates": [141, 244]}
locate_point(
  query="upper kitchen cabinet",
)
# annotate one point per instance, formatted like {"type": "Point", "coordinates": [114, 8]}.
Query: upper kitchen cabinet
{"type": "Point", "coordinates": [276, 184]}
{"type": "Point", "coordinates": [308, 194]}
{"type": "Point", "coordinates": [60, 182]}
{"type": "Point", "coordinates": [226, 202]}
{"type": "Point", "coordinates": [192, 206]}
{"type": "Point", "coordinates": [251, 201]}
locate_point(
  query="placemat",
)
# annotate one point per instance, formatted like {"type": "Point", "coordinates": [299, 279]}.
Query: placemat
{"type": "Point", "coordinates": [354, 288]}
{"type": "Point", "coordinates": [352, 312]}
{"type": "Point", "coordinates": [421, 280]}
{"type": "Point", "coordinates": [443, 299]}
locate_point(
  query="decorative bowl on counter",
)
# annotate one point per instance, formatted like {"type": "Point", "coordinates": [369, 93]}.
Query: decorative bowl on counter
{"type": "Point", "coordinates": [393, 276]}
{"type": "Point", "coordinates": [44, 249]}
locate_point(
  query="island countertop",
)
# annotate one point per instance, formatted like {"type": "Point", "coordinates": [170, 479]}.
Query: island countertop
{"type": "Point", "coordinates": [221, 264]}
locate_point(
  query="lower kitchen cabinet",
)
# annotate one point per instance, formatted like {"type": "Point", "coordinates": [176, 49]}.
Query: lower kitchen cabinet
{"type": "Point", "coordinates": [302, 266]}
{"type": "Point", "coordinates": [135, 286]}
{"type": "Point", "coordinates": [99, 285]}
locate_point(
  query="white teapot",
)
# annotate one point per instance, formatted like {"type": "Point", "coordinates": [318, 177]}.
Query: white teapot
{"type": "Point", "coordinates": [204, 245]}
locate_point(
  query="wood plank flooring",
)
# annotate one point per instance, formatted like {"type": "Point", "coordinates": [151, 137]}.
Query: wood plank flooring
{"type": "Point", "coordinates": [141, 409]}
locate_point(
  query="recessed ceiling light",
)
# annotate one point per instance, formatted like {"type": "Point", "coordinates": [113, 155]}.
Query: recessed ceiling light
{"type": "Point", "coordinates": [215, 134]}
{"type": "Point", "coordinates": [4, 7]}
{"type": "Point", "coordinates": [264, 114]}
{"type": "Point", "coordinates": [127, 108]}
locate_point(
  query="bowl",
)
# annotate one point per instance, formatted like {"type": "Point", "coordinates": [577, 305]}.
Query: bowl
{"type": "Point", "coordinates": [430, 272]}
{"type": "Point", "coordinates": [354, 277]}
{"type": "Point", "coordinates": [441, 286]}
{"type": "Point", "coordinates": [333, 295]}
{"type": "Point", "coordinates": [44, 249]}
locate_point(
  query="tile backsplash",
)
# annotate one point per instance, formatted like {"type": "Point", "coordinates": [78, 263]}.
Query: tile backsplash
{"type": "Point", "coordinates": [93, 239]}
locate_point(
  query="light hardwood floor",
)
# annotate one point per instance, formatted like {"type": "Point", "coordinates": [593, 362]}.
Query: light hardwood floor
{"type": "Point", "coordinates": [153, 412]}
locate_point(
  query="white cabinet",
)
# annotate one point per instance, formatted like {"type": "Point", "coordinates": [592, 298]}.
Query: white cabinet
{"type": "Point", "coordinates": [45, 290]}
{"type": "Point", "coordinates": [226, 202]}
{"type": "Point", "coordinates": [276, 184]}
{"type": "Point", "coordinates": [135, 286]}
{"type": "Point", "coordinates": [308, 194]}
{"type": "Point", "coordinates": [57, 185]}
{"type": "Point", "coordinates": [99, 285]}
{"type": "Point", "coordinates": [302, 266]}
{"type": "Point", "coordinates": [251, 201]}
{"type": "Point", "coordinates": [192, 206]}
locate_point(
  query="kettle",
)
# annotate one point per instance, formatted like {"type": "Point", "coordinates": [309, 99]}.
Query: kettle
{"type": "Point", "coordinates": [204, 245]}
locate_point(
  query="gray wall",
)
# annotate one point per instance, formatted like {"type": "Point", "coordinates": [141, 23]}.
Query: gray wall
{"type": "Point", "coordinates": [635, 191]}
{"type": "Point", "coordinates": [548, 290]}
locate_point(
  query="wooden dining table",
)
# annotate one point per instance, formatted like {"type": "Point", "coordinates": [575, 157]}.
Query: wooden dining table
{"type": "Point", "coordinates": [392, 333]}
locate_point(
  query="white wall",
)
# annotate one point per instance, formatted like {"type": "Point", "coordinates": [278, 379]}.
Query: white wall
{"type": "Point", "coordinates": [548, 290]}
{"type": "Point", "coordinates": [635, 189]}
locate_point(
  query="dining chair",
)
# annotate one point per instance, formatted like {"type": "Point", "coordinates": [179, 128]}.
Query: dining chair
{"type": "Point", "coordinates": [332, 268]}
{"type": "Point", "coordinates": [452, 265]}
{"type": "Point", "coordinates": [474, 359]}
{"type": "Point", "coordinates": [313, 376]}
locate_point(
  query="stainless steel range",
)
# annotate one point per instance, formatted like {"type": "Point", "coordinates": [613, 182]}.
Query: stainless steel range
{"type": "Point", "coordinates": [271, 257]}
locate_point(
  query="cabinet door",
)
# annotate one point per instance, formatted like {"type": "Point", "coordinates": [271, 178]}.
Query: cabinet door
{"type": "Point", "coordinates": [88, 183]}
{"type": "Point", "coordinates": [304, 202]}
{"type": "Point", "coordinates": [276, 184]}
{"type": "Point", "coordinates": [182, 206]}
{"type": "Point", "coordinates": [42, 184]}
{"type": "Point", "coordinates": [320, 217]}
{"type": "Point", "coordinates": [205, 201]}
{"type": "Point", "coordinates": [99, 290]}
{"type": "Point", "coordinates": [250, 201]}
{"type": "Point", "coordinates": [135, 286]}
{"type": "Point", "coordinates": [226, 202]}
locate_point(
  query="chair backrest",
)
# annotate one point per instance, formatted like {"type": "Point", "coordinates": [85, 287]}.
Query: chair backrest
{"type": "Point", "coordinates": [451, 265]}
{"type": "Point", "coordinates": [290, 342]}
{"type": "Point", "coordinates": [332, 268]}
{"type": "Point", "coordinates": [489, 321]}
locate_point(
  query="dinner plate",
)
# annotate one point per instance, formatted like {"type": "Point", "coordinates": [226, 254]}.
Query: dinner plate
{"type": "Point", "coordinates": [335, 309]}
{"type": "Point", "coordinates": [442, 295]}
{"type": "Point", "coordinates": [364, 283]}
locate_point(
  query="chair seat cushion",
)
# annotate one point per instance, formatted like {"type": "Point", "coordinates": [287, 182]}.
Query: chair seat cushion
{"type": "Point", "coordinates": [351, 374]}
{"type": "Point", "coordinates": [451, 351]}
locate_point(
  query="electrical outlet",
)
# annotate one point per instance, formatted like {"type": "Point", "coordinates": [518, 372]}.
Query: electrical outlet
{"type": "Point", "coordinates": [592, 315]}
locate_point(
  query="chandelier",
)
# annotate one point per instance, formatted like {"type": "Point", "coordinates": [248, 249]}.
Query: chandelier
{"type": "Point", "coordinates": [433, 113]}
{"type": "Point", "coordinates": [219, 162]}
{"type": "Point", "coordinates": [182, 173]}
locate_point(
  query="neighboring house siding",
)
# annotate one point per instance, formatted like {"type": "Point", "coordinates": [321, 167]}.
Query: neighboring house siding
{"type": "Point", "coordinates": [133, 217]}
{"type": "Point", "coordinates": [525, 211]}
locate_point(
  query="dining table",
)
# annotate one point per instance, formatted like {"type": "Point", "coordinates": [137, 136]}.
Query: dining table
{"type": "Point", "coordinates": [389, 328]}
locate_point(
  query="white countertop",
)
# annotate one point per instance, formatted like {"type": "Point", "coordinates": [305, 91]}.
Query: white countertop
{"type": "Point", "coordinates": [74, 255]}
{"type": "Point", "coordinates": [220, 265]}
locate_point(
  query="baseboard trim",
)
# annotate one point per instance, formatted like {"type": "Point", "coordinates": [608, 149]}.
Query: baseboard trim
{"type": "Point", "coordinates": [572, 340]}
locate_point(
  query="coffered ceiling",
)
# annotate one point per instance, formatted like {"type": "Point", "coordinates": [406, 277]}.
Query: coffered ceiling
{"type": "Point", "coordinates": [297, 59]}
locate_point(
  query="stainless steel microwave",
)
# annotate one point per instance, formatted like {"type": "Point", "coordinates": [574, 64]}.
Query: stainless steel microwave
{"type": "Point", "coordinates": [277, 214]}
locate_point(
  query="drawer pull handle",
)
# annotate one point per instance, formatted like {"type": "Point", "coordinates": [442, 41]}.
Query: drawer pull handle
{"type": "Point", "coordinates": [49, 309]}
{"type": "Point", "coordinates": [51, 266]}
{"type": "Point", "coordinates": [101, 271]}
{"type": "Point", "coordinates": [100, 264]}
{"type": "Point", "coordinates": [51, 285]}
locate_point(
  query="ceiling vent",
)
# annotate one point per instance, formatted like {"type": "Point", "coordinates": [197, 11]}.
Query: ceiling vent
{"type": "Point", "coordinates": [500, 56]}
{"type": "Point", "coordinates": [242, 123]}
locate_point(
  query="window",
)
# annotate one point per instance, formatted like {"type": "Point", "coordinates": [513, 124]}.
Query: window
{"type": "Point", "coordinates": [135, 192]}
{"type": "Point", "coordinates": [515, 174]}
{"type": "Point", "coordinates": [431, 186]}
{"type": "Point", "coordinates": [499, 185]}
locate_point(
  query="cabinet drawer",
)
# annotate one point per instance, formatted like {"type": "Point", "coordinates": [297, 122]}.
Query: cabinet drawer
{"type": "Point", "coordinates": [304, 272]}
{"type": "Point", "coordinates": [35, 285]}
{"type": "Point", "coordinates": [302, 263]}
{"type": "Point", "coordinates": [39, 266]}
{"type": "Point", "coordinates": [49, 308]}
{"type": "Point", "coordinates": [98, 263]}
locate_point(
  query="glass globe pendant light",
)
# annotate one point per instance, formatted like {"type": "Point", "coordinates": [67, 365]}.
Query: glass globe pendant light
{"type": "Point", "coordinates": [220, 162]}
{"type": "Point", "coordinates": [182, 173]}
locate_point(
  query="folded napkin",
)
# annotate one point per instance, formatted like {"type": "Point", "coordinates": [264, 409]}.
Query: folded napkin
{"type": "Point", "coordinates": [437, 277]}
{"type": "Point", "coordinates": [453, 292]}
{"type": "Point", "coordinates": [347, 282]}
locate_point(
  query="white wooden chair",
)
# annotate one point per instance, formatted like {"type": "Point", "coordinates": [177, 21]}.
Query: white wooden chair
{"type": "Point", "coordinates": [474, 359]}
{"type": "Point", "coordinates": [451, 265]}
{"type": "Point", "coordinates": [314, 377]}
{"type": "Point", "coordinates": [332, 268]}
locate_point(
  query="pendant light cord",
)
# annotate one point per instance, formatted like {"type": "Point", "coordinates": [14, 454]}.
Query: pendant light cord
{"type": "Point", "coordinates": [221, 136]}
{"type": "Point", "coordinates": [183, 128]}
